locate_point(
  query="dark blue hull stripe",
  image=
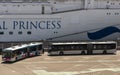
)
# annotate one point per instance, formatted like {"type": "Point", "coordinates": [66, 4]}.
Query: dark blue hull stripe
{"type": "Point", "coordinates": [103, 33]}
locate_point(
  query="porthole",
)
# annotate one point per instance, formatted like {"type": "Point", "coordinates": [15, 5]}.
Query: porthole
{"type": "Point", "coordinates": [20, 32]}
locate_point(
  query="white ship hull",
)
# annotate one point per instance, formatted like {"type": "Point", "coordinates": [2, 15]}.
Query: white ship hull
{"type": "Point", "coordinates": [80, 25]}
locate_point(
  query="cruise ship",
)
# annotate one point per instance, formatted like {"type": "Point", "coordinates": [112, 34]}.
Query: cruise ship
{"type": "Point", "coordinates": [59, 20]}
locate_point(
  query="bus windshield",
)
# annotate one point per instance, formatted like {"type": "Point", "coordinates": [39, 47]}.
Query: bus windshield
{"type": "Point", "coordinates": [6, 54]}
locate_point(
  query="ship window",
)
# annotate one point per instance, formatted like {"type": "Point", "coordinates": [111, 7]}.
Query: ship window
{"type": "Point", "coordinates": [112, 3]}
{"type": "Point", "coordinates": [7, 0]}
{"type": "Point", "coordinates": [55, 32]}
{"type": "Point", "coordinates": [26, 1]}
{"type": "Point", "coordinates": [116, 13]}
{"type": "Point", "coordinates": [107, 1]}
{"type": "Point", "coordinates": [1, 33]}
{"type": "Point", "coordinates": [35, 0]}
{"type": "Point", "coordinates": [29, 32]}
{"type": "Point", "coordinates": [108, 13]}
{"type": "Point", "coordinates": [11, 33]}
{"type": "Point", "coordinates": [1, 0]}
{"type": "Point", "coordinates": [20, 32]}
{"type": "Point", "coordinates": [44, 0]}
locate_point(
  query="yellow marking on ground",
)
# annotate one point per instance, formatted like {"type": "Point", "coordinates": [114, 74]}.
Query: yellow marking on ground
{"type": "Point", "coordinates": [101, 69]}
{"type": "Point", "coordinates": [44, 72]}
{"type": "Point", "coordinates": [107, 61]}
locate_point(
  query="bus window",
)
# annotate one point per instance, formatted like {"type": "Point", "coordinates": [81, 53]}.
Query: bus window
{"type": "Point", "coordinates": [113, 46]}
{"type": "Point", "coordinates": [33, 48]}
{"type": "Point", "coordinates": [40, 47]}
{"type": "Point", "coordinates": [13, 54]}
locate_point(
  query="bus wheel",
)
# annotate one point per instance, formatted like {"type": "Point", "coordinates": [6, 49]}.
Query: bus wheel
{"type": "Point", "coordinates": [16, 59]}
{"type": "Point", "coordinates": [61, 53]}
{"type": "Point", "coordinates": [83, 52]}
{"type": "Point", "coordinates": [36, 54]}
{"type": "Point", "coordinates": [104, 52]}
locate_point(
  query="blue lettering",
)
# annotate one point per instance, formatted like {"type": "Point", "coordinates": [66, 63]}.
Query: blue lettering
{"type": "Point", "coordinates": [33, 25]}
{"type": "Point", "coordinates": [59, 24]}
{"type": "Point", "coordinates": [48, 24]}
{"type": "Point", "coordinates": [0, 27]}
{"type": "Point", "coordinates": [21, 23]}
{"type": "Point", "coordinates": [27, 25]}
{"type": "Point", "coordinates": [41, 23]}
{"type": "Point", "coordinates": [4, 25]}
{"type": "Point", "coordinates": [15, 23]}
{"type": "Point", "coordinates": [53, 25]}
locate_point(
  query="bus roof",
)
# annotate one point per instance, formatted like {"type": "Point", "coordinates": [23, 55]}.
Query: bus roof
{"type": "Point", "coordinates": [68, 43]}
{"type": "Point", "coordinates": [15, 47]}
{"type": "Point", "coordinates": [34, 44]}
{"type": "Point", "coordinates": [22, 46]}
{"type": "Point", "coordinates": [75, 43]}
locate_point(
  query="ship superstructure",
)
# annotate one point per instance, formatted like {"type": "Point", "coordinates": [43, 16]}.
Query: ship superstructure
{"type": "Point", "coordinates": [54, 6]}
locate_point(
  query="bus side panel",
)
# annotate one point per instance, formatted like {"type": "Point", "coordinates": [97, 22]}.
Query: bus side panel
{"type": "Point", "coordinates": [53, 53]}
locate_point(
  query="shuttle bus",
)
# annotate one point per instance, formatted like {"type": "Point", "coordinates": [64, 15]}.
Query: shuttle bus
{"type": "Point", "coordinates": [21, 51]}
{"type": "Point", "coordinates": [35, 49]}
{"type": "Point", "coordinates": [104, 47]}
{"type": "Point", "coordinates": [14, 53]}
{"type": "Point", "coordinates": [83, 48]}
{"type": "Point", "coordinates": [67, 48]}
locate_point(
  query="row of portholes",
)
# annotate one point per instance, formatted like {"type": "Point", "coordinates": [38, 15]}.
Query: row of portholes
{"type": "Point", "coordinates": [112, 3]}
{"type": "Point", "coordinates": [23, 0]}
{"type": "Point", "coordinates": [114, 13]}
{"type": "Point", "coordinates": [11, 32]}
{"type": "Point", "coordinates": [20, 32]}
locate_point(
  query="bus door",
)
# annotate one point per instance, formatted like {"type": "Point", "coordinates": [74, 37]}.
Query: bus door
{"type": "Point", "coordinates": [28, 52]}
{"type": "Point", "coordinates": [90, 49]}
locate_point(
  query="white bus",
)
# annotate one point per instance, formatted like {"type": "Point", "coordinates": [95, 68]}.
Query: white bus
{"type": "Point", "coordinates": [104, 47]}
{"type": "Point", "coordinates": [21, 51]}
{"type": "Point", "coordinates": [68, 48]}
{"type": "Point", "coordinates": [83, 48]}
{"type": "Point", "coordinates": [35, 49]}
